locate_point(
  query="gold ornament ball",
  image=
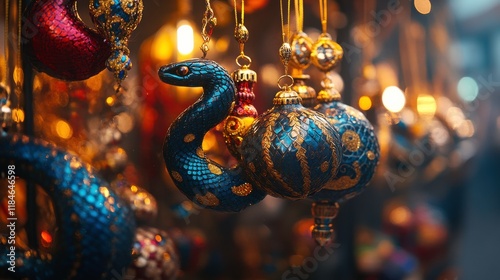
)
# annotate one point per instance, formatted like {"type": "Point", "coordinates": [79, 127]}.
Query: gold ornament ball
{"type": "Point", "coordinates": [326, 53]}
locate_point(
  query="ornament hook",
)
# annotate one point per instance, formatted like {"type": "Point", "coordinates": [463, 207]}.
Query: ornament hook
{"type": "Point", "coordinates": [208, 24]}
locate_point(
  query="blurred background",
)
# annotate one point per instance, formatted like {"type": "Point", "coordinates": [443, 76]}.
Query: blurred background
{"type": "Point", "coordinates": [425, 73]}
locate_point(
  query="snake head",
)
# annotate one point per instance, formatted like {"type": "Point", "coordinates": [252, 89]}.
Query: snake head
{"type": "Point", "coordinates": [191, 73]}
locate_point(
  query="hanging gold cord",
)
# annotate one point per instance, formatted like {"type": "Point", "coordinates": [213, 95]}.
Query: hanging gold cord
{"type": "Point", "coordinates": [323, 11]}
{"type": "Point", "coordinates": [18, 116]}
{"type": "Point", "coordinates": [299, 14]}
{"type": "Point", "coordinates": [242, 13]}
{"type": "Point", "coordinates": [285, 25]}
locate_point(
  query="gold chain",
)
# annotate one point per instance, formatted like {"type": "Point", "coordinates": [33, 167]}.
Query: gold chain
{"type": "Point", "coordinates": [242, 12]}
{"type": "Point", "coordinates": [323, 11]}
{"type": "Point", "coordinates": [208, 23]}
{"type": "Point", "coordinates": [299, 14]}
{"type": "Point", "coordinates": [285, 26]}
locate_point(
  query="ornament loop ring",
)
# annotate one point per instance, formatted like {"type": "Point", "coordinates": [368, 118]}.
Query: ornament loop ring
{"type": "Point", "coordinates": [283, 86]}
{"type": "Point", "coordinates": [243, 61]}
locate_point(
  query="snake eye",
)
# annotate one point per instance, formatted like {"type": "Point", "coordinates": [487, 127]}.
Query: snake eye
{"type": "Point", "coordinates": [183, 71]}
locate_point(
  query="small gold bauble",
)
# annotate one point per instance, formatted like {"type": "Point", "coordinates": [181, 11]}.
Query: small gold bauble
{"type": "Point", "coordinates": [326, 53]}
{"type": "Point", "coordinates": [241, 34]}
{"type": "Point", "coordinates": [301, 51]}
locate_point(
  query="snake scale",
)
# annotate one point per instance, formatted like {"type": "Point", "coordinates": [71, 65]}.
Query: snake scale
{"type": "Point", "coordinates": [95, 227]}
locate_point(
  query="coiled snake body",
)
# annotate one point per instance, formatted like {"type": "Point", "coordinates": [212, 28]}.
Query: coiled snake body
{"type": "Point", "coordinates": [200, 179]}
{"type": "Point", "coordinates": [95, 228]}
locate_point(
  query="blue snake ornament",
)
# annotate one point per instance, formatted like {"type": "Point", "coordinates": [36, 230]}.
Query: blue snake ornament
{"type": "Point", "coordinates": [289, 151]}
{"type": "Point", "coordinates": [95, 231]}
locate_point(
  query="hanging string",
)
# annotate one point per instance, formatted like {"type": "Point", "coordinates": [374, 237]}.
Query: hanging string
{"type": "Point", "coordinates": [285, 25]}
{"type": "Point", "coordinates": [285, 49]}
{"type": "Point", "coordinates": [242, 12]}
{"type": "Point", "coordinates": [299, 14]}
{"type": "Point", "coordinates": [323, 11]}
{"type": "Point", "coordinates": [208, 23]}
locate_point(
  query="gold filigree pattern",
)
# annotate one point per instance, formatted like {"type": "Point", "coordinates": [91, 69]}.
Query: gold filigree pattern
{"type": "Point", "coordinates": [189, 138]}
{"type": "Point", "coordinates": [209, 199]}
{"type": "Point", "coordinates": [214, 169]}
{"type": "Point", "coordinates": [345, 182]}
{"type": "Point", "coordinates": [351, 140]}
{"type": "Point", "coordinates": [301, 152]}
{"type": "Point", "coordinates": [176, 176]}
{"type": "Point", "coordinates": [242, 190]}
{"type": "Point", "coordinates": [266, 147]}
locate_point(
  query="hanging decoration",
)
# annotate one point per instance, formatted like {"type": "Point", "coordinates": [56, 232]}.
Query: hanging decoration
{"type": "Point", "coordinates": [96, 227]}
{"type": "Point", "coordinates": [326, 53]}
{"type": "Point", "coordinates": [243, 113]}
{"type": "Point", "coordinates": [301, 59]}
{"type": "Point", "coordinates": [361, 151]}
{"type": "Point", "coordinates": [58, 42]}
{"type": "Point", "coordinates": [289, 151]}
{"type": "Point", "coordinates": [116, 20]}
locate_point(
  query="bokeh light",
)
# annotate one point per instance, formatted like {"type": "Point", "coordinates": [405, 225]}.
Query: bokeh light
{"type": "Point", "coordinates": [423, 6]}
{"type": "Point", "coordinates": [365, 103]}
{"type": "Point", "coordinates": [426, 105]}
{"type": "Point", "coordinates": [467, 89]}
{"type": "Point", "coordinates": [185, 38]}
{"type": "Point", "coordinates": [393, 99]}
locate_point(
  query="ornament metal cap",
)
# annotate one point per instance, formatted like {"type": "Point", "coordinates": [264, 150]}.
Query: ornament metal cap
{"type": "Point", "coordinates": [244, 75]}
{"type": "Point", "coordinates": [287, 96]}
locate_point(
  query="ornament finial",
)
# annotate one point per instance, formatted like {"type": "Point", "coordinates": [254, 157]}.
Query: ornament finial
{"type": "Point", "coordinates": [324, 213]}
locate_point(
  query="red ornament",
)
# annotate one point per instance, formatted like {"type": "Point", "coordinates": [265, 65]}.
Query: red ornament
{"type": "Point", "coordinates": [59, 43]}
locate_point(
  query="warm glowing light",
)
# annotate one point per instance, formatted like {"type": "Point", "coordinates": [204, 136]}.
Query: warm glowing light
{"type": "Point", "coordinates": [365, 103]}
{"type": "Point", "coordinates": [134, 188]}
{"type": "Point", "coordinates": [426, 105]}
{"type": "Point", "coordinates": [209, 142]}
{"type": "Point", "coordinates": [466, 129]}
{"type": "Point", "coordinates": [46, 237]}
{"type": "Point", "coordinates": [400, 216]}
{"type": "Point", "coordinates": [63, 129]}
{"type": "Point", "coordinates": [18, 115]}
{"type": "Point", "coordinates": [393, 99]}
{"type": "Point", "coordinates": [423, 6]}
{"type": "Point", "coordinates": [110, 101]}
{"type": "Point", "coordinates": [467, 89]}
{"type": "Point", "coordinates": [185, 38]}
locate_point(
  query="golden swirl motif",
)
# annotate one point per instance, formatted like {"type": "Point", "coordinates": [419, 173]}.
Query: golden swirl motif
{"type": "Point", "coordinates": [345, 182]}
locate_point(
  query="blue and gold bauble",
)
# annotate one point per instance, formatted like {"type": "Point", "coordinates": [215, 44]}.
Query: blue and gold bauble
{"type": "Point", "coordinates": [361, 150]}
{"type": "Point", "coordinates": [291, 151]}
{"type": "Point", "coordinates": [360, 156]}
